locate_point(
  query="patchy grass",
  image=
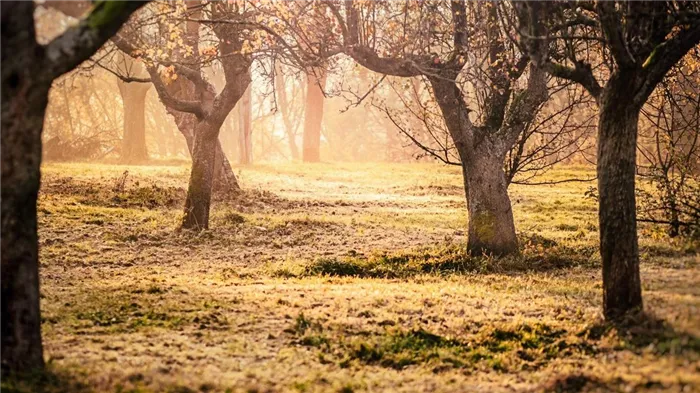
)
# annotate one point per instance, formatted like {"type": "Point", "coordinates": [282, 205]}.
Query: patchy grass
{"type": "Point", "coordinates": [344, 278]}
{"type": "Point", "coordinates": [537, 255]}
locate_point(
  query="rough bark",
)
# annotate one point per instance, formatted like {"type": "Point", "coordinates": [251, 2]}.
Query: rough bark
{"type": "Point", "coordinates": [617, 141]}
{"type": "Point", "coordinates": [491, 224]}
{"type": "Point", "coordinates": [313, 116]}
{"type": "Point", "coordinates": [491, 228]}
{"type": "Point", "coordinates": [134, 148]}
{"type": "Point", "coordinates": [201, 177]}
{"type": "Point", "coordinates": [224, 178]}
{"type": "Point", "coordinates": [24, 100]}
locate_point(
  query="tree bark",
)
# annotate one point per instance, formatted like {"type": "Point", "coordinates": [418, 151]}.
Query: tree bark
{"type": "Point", "coordinates": [201, 177]}
{"type": "Point", "coordinates": [491, 225]}
{"type": "Point", "coordinates": [134, 148]}
{"type": "Point", "coordinates": [617, 142]}
{"type": "Point", "coordinates": [24, 101]}
{"type": "Point", "coordinates": [313, 116]}
{"type": "Point", "coordinates": [25, 90]}
{"type": "Point", "coordinates": [224, 178]}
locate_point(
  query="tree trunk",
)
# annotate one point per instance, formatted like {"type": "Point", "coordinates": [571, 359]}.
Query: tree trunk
{"type": "Point", "coordinates": [313, 116]}
{"type": "Point", "coordinates": [491, 225]}
{"type": "Point", "coordinates": [617, 142]}
{"type": "Point", "coordinates": [134, 140]}
{"type": "Point", "coordinates": [224, 178]}
{"type": "Point", "coordinates": [245, 143]}
{"type": "Point", "coordinates": [25, 90]}
{"type": "Point", "coordinates": [24, 101]}
{"type": "Point", "coordinates": [201, 178]}
{"type": "Point", "coordinates": [284, 104]}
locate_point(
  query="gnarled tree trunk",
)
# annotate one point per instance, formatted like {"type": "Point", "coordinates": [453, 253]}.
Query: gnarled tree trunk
{"type": "Point", "coordinates": [491, 226]}
{"type": "Point", "coordinates": [224, 178]}
{"type": "Point", "coordinates": [201, 177]}
{"type": "Point", "coordinates": [617, 143]}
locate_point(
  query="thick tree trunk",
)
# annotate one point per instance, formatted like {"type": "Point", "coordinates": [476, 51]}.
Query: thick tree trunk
{"type": "Point", "coordinates": [313, 116]}
{"type": "Point", "coordinates": [491, 225]}
{"type": "Point", "coordinates": [23, 107]}
{"type": "Point", "coordinates": [201, 178]}
{"type": "Point", "coordinates": [134, 139]}
{"type": "Point", "coordinates": [245, 142]}
{"type": "Point", "coordinates": [25, 90]}
{"type": "Point", "coordinates": [617, 142]}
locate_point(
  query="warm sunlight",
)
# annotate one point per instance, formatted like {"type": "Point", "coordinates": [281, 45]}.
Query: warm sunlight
{"type": "Point", "coordinates": [350, 196]}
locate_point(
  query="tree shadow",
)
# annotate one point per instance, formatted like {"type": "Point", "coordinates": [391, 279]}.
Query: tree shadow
{"type": "Point", "coordinates": [50, 380]}
{"type": "Point", "coordinates": [645, 331]}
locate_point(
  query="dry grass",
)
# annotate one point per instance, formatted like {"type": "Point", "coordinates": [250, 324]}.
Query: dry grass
{"type": "Point", "coordinates": [340, 278]}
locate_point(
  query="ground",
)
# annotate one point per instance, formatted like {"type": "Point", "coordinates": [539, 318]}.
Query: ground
{"type": "Point", "coordinates": [345, 278]}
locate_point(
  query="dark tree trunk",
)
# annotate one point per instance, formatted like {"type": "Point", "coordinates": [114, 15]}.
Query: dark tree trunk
{"type": "Point", "coordinates": [24, 100]}
{"type": "Point", "coordinates": [134, 139]}
{"type": "Point", "coordinates": [201, 178]}
{"type": "Point", "coordinates": [491, 225]}
{"type": "Point", "coordinates": [28, 70]}
{"type": "Point", "coordinates": [617, 142]}
{"type": "Point", "coordinates": [313, 117]}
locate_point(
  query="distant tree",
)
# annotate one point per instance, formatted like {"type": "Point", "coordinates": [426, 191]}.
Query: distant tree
{"type": "Point", "coordinates": [313, 114]}
{"type": "Point", "coordinates": [630, 46]}
{"type": "Point", "coordinates": [669, 145]}
{"type": "Point", "coordinates": [28, 70]}
{"type": "Point", "coordinates": [457, 47]}
{"type": "Point", "coordinates": [245, 128]}
{"type": "Point", "coordinates": [286, 90]}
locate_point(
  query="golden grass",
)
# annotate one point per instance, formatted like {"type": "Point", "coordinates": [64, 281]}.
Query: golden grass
{"type": "Point", "coordinates": [283, 294]}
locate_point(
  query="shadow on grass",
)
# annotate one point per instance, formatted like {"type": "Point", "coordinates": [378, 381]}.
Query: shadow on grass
{"type": "Point", "coordinates": [646, 332]}
{"type": "Point", "coordinates": [50, 380]}
{"type": "Point", "coordinates": [536, 254]}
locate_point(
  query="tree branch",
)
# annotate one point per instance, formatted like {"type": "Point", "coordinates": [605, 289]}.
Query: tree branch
{"type": "Point", "coordinates": [80, 42]}
{"type": "Point", "coordinates": [168, 100]}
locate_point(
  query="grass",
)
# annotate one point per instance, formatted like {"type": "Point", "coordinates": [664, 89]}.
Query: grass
{"type": "Point", "coordinates": [343, 277]}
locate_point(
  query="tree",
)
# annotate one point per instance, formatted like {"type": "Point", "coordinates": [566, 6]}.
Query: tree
{"type": "Point", "coordinates": [437, 43]}
{"type": "Point", "coordinates": [669, 146]}
{"type": "Point", "coordinates": [629, 46]}
{"type": "Point", "coordinates": [134, 100]}
{"type": "Point", "coordinates": [133, 80]}
{"type": "Point", "coordinates": [209, 108]}
{"type": "Point", "coordinates": [313, 114]}
{"type": "Point", "coordinates": [290, 121]}
{"type": "Point", "coordinates": [28, 70]}
{"type": "Point", "coordinates": [245, 128]}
